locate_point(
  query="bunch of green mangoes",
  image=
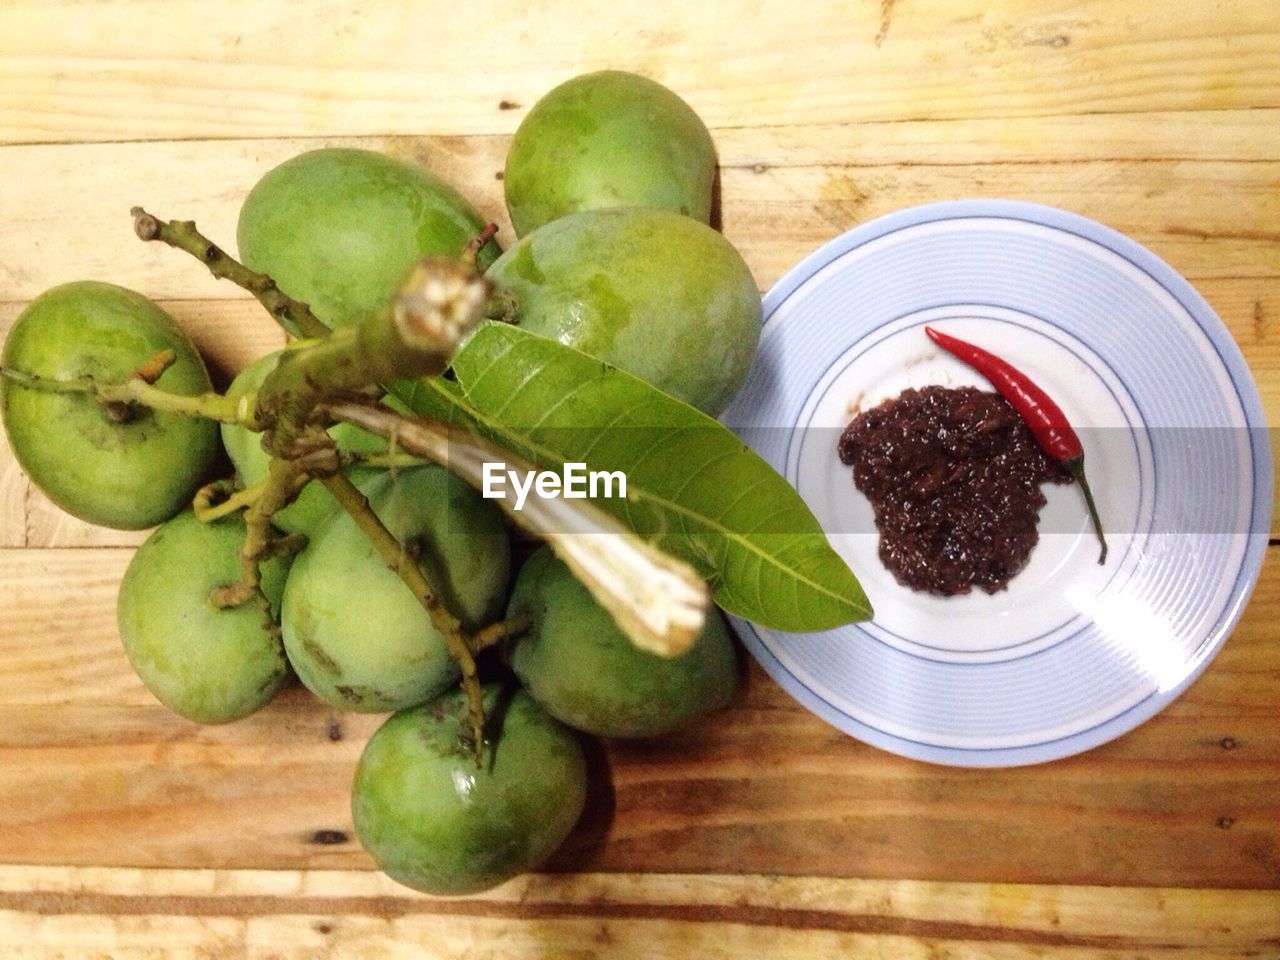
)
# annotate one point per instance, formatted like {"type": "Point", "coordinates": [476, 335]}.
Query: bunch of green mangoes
{"type": "Point", "coordinates": [609, 186]}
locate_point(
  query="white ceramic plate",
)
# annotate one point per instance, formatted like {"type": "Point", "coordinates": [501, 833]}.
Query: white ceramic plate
{"type": "Point", "coordinates": [1072, 654]}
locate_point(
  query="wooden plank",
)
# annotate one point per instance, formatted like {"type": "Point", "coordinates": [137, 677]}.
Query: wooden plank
{"type": "Point", "coordinates": [123, 913]}
{"type": "Point", "coordinates": [1056, 139]}
{"type": "Point", "coordinates": [14, 489]}
{"type": "Point", "coordinates": [83, 229]}
{"type": "Point", "coordinates": [121, 72]}
{"type": "Point", "coordinates": [1161, 123]}
{"type": "Point", "coordinates": [92, 772]}
{"type": "Point", "coordinates": [776, 216]}
{"type": "Point", "coordinates": [783, 192]}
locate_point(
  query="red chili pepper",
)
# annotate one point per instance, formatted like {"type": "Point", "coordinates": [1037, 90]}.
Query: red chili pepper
{"type": "Point", "coordinates": [1049, 425]}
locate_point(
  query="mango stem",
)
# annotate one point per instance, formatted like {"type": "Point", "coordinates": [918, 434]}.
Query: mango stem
{"type": "Point", "coordinates": [400, 561]}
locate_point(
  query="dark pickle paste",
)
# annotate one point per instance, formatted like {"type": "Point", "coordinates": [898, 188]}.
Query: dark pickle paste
{"type": "Point", "coordinates": [954, 477]}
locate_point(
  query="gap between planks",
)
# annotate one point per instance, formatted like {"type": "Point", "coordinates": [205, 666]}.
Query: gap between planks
{"type": "Point", "coordinates": [1052, 915]}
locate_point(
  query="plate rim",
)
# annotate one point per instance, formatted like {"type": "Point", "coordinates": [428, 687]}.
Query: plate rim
{"type": "Point", "coordinates": [1237, 371]}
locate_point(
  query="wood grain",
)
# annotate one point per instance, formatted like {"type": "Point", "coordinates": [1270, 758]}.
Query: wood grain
{"type": "Point", "coordinates": [316, 914]}
{"type": "Point", "coordinates": [130, 833]}
{"type": "Point", "coordinates": [783, 192]}
{"type": "Point", "coordinates": [122, 72]}
{"type": "Point", "coordinates": [93, 772]}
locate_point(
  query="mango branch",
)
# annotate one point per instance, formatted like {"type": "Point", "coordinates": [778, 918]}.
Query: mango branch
{"type": "Point", "coordinates": [182, 235]}
{"type": "Point", "coordinates": [495, 633]}
{"type": "Point", "coordinates": [216, 500]}
{"type": "Point", "coordinates": [281, 486]}
{"type": "Point", "coordinates": [402, 564]}
{"type": "Point", "coordinates": [471, 249]}
{"type": "Point", "coordinates": [658, 601]}
{"type": "Point", "coordinates": [383, 461]}
{"type": "Point", "coordinates": [416, 334]}
{"type": "Point", "coordinates": [119, 400]}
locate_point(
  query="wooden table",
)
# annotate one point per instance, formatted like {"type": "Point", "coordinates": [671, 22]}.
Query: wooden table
{"type": "Point", "coordinates": [130, 833]}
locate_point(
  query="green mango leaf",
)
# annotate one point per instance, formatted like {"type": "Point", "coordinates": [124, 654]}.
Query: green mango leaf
{"type": "Point", "coordinates": [693, 487]}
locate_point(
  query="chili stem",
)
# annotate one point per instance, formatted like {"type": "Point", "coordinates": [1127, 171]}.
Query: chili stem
{"type": "Point", "coordinates": [1075, 466]}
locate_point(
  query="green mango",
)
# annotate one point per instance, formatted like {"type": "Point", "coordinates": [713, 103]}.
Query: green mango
{"type": "Point", "coordinates": [314, 504]}
{"type": "Point", "coordinates": [128, 475]}
{"type": "Point", "coordinates": [435, 821]}
{"type": "Point", "coordinates": [355, 634]}
{"type": "Point", "coordinates": [660, 295]}
{"type": "Point", "coordinates": [208, 664]}
{"type": "Point", "coordinates": [586, 672]}
{"type": "Point", "coordinates": [608, 139]}
{"type": "Point", "coordinates": [339, 228]}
